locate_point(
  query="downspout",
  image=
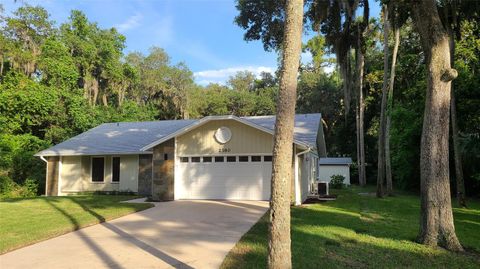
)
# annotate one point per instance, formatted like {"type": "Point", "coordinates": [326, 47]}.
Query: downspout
{"type": "Point", "coordinates": [298, 198]}
{"type": "Point", "coordinates": [46, 173]}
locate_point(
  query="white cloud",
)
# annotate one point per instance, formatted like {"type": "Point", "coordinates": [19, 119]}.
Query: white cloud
{"type": "Point", "coordinates": [221, 75]}
{"type": "Point", "coordinates": [130, 23]}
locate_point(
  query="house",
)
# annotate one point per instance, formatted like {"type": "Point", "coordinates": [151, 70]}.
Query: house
{"type": "Point", "coordinates": [216, 157]}
{"type": "Point", "coordinates": [327, 167]}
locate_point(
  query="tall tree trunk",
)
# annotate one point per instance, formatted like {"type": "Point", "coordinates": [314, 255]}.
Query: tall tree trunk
{"type": "Point", "coordinates": [120, 97]}
{"type": "Point", "coordinates": [94, 89]}
{"type": "Point", "coordinates": [359, 159]}
{"type": "Point", "coordinates": [1, 65]}
{"type": "Point", "coordinates": [457, 155]}
{"type": "Point", "coordinates": [361, 112]}
{"type": "Point", "coordinates": [279, 253]}
{"type": "Point", "coordinates": [105, 99]}
{"type": "Point", "coordinates": [436, 217]}
{"type": "Point", "coordinates": [361, 119]}
{"type": "Point", "coordinates": [388, 163]}
{"type": "Point", "coordinates": [360, 66]}
{"type": "Point", "coordinates": [383, 107]}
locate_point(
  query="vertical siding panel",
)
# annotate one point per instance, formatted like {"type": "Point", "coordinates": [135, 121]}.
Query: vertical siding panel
{"type": "Point", "coordinates": [245, 139]}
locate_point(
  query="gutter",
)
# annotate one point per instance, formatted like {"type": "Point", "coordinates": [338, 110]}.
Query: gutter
{"type": "Point", "coordinates": [43, 159]}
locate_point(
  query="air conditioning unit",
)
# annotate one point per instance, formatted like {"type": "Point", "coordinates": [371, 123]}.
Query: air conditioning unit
{"type": "Point", "coordinates": [322, 188]}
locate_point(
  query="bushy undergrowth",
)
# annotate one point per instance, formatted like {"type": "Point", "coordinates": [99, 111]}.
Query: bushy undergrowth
{"type": "Point", "coordinates": [11, 189]}
{"type": "Point", "coordinates": [336, 181]}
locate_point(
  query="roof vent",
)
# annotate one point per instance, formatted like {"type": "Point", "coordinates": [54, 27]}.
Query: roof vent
{"type": "Point", "coordinates": [118, 124]}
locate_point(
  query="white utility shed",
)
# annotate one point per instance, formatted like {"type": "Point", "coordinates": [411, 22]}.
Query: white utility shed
{"type": "Point", "coordinates": [327, 167]}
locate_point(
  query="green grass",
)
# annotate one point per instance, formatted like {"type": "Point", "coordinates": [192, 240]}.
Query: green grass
{"type": "Point", "coordinates": [357, 231]}
{"type": "Point", "coordinates": [27, 221]}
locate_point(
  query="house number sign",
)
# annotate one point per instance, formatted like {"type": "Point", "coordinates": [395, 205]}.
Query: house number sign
{"type": "Point", "coordinates": [224, 150]}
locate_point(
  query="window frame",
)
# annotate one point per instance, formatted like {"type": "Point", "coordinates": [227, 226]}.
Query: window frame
{"type": "Point", "coordinates": [234, 156]}
{"type": "Point", "coordinates": [215, 159]}
{"type": "Point", "coordinates": [243, 161]}
{"type": "Point", "coordinates": [91, 169]}
{"type": "Point", "coordinates": [119, 165]}
{"type": "Point", "coordinates": [256, 156]}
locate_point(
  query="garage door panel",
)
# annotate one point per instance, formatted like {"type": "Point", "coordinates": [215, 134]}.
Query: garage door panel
{"type": "Point", "coordinates": [241, 181]}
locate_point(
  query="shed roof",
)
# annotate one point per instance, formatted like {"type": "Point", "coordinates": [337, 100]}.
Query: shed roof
{"type": "Point", "coordinates": [335, 161]}
{"type": "Point", "coordinates": [132, 137]}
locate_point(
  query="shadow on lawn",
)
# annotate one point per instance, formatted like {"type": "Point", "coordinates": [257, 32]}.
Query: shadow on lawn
{"type": "Point", "coordinates": [355, 233]}
{"type": "Point", "coordinates": [316, 245]}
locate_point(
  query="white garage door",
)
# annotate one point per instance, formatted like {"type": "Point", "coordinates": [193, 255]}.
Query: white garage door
{"type": "Point", "coordinates": [223, 177]}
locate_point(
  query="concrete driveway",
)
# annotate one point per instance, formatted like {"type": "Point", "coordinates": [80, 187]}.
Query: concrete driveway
{"type": "Point", "coordinates": [178, 234]}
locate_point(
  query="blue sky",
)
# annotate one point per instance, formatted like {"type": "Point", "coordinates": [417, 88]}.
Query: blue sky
{"type": "Point", "coordinates": [200, 33]}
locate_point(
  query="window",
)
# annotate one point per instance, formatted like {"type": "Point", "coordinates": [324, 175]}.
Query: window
{"type": "Point", "coordinates": [231, 159]}
{"type": "Point", "coordinates": [256, 158]}
{"type": "Point", "coordinates": [267, 158]}
{"type": "Point", "coordinates": [219, 159]}
{"type": "Point", "coordinates": [165, 156]}
{"type": "Point", "coordinates": [184, 159]}
{"type": "Point", "coordinates": [243, 159]}
{"type": "Point", "coordinates": [207, 159]}
{"type": "Point", "coordinates": [98, 169]}
{"type": "Point", "coordinates": [195, 159]}
{"type": "Point", "coordinates": [116, 169]}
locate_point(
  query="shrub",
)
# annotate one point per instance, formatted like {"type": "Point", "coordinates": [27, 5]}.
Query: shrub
{"type": "Point", "coordinates": [336, 181]}
{"type": "Point", "coordinates": [10, 189]}
{"type": "Point", "coordinates": [17, 161]}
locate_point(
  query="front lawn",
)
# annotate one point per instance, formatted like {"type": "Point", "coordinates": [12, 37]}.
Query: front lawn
{"type": "Point", "coordinates": [360, 231]}
{"type": "Point", "coordinates": [29, 220]}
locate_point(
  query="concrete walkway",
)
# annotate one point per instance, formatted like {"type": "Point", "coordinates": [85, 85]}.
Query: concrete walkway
{"type": "Point", "coordinates": [178, 234]}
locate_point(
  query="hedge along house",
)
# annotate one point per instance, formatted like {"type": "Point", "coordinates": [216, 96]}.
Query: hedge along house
{"type": "Point", "coordinates": [216, 157]}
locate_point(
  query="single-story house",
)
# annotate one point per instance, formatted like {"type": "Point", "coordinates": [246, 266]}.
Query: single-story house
{"type": "Point", "coordinates": [327, 167]}
{"type": "Point", "coordinates": [216, 157]}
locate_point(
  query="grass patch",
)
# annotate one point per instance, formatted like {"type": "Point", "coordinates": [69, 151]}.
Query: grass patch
{"type": "Point", "coordinates": [361, 231]}
{"type": "Point", "coordinates": [24, 221]}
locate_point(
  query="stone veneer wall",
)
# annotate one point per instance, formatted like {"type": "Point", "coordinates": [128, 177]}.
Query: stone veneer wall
{"type": "Point", "coordinates": [163, 171]}
{"type": "Point", "coordinates": [52, 176]}
{"type": "Point", "coordinates": [145, 175]}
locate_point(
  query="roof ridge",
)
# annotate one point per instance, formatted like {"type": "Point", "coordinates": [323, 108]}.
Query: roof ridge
{"type": "Point", "coordinates": [147, 121]}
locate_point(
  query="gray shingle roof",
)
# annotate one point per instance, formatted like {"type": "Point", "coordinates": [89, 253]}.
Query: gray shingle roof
{"type": "Point", "coordinates": [306, 126]}
{"type": "Point", "coordinates": [335, 161]}
{"type": "Point", "coordinates": [131, 137]}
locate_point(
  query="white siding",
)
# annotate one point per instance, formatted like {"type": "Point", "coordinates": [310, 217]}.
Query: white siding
{"type": "Point", "coordinates": [307, 164]}
{"type": "Point", "coordinates": [129, 173]}
{"type": "Point", "coordinates": [326, 171]}
{"type": "Point", "coordinates": [71, 174]}
{"type": "Point", "coordinates": [76, 175]}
